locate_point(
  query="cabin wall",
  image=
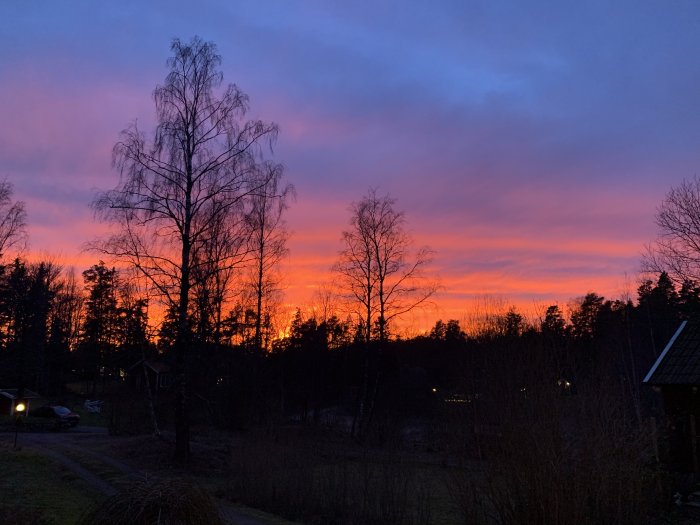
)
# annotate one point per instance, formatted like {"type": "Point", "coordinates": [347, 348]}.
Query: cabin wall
{"type": "Point", "coordinates": [682, 408]}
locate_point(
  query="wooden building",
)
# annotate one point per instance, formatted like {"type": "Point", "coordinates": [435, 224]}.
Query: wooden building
{"type": "Point", "coordinates": [676, 374]}
{"type": "Point", "coordinates": [156, 373]}
{"type": "Point", "coordinates": [9, 397]}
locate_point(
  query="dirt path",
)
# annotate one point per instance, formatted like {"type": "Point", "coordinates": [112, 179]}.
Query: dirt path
{"type": "Point", "coordinates": [60, 446]}
{"type": "Point", "coordinates": [93, 480]}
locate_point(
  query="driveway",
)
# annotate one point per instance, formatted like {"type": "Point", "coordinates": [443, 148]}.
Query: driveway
{"type": "Point", "coordinates": [74, 449]}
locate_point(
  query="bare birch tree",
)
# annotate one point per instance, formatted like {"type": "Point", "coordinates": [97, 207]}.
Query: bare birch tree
{"type": "Point", "coordinates": [13, 219]}
{"type": "Point", "coordinates": [223, 255]}
{"type": "Point", "coordinates": [356, 270]}
{"type": "Point", "coordinates": [268, 238]}
{"type": "Point", "coordinates": [378, 266]}
{"type": "Point", "coordinates": [177, 187]}
{"type": "Point", "coordinates": [677, 247]}
{"type": "Point", "coordinates": [384, 277]}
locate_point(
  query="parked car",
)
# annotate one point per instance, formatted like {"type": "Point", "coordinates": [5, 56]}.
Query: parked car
{"type": "Point", "coordinates": [64, 417]}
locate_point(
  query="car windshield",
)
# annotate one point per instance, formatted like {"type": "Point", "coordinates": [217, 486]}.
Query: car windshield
{"type": "Point", "coordinates": [61, 411]}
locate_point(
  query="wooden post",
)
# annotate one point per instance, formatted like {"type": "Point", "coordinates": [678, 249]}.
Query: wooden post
{"type": "Point", "coordinates": [693, 443]}
{"type": "Point", "coordinates": [654, 438]}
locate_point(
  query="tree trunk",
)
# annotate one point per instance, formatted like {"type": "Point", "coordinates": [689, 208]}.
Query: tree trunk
{"type": "Point", "coordinates": [258, 317]}
{"type": "Point", "coordinates": [149, 395]}
{"type": "Point", "coordinates": [182, 423]}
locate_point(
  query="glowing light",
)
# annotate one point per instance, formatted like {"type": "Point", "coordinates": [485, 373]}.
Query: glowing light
{"type": "Point", "coordinates": [564, 384]}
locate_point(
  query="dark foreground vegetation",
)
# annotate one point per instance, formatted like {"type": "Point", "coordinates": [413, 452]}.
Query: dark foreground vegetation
{"type": "Point", "coordinates": [508, 423]}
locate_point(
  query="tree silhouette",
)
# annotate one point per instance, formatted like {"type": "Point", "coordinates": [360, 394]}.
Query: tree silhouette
{"type": "Point", "coordinates": [13, 219]}
{"type": "Point", "coordinates": [377, 267]}
{"type": "Point", "coordinates": [26, 295]}
{"type": "Point", "coordinates": [380, 275]}
{"type": "Point", "coordinates": [65, 319]}
{"type": "Point", "coordinates": [585, 317]}
{"type": "Point", "coordinates": [175, 189]}
{"type": "Point", "coordinates": [677, 247]}
{"type": "Point", "coordinates": [553, 325]}
{"type": "Point", "coordinates": [268, 238]}
{"type": "Point", "coordinates": [98, 344]}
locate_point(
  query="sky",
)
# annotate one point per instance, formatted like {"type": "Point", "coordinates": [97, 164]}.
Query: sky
{"type": "Point", "coordinates": [528, 143]}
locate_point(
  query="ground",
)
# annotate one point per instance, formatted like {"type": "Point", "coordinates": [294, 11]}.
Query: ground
{"type": "Point", "coordinates": [67, 472]}
{"type": "Point", "coordinates": [51, 478]}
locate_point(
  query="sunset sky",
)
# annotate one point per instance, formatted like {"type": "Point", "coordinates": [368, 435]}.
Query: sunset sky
{"type": "Point", "coordinates": [529, 143]}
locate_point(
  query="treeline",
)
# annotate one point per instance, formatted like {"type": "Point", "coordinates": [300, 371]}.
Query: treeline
{"type": "Point", "coordinates": [56, 329]}
{"type": "Point", "coordinates": [539, 401]}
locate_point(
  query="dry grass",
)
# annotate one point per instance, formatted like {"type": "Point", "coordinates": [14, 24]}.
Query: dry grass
{"type": "Point", "coordinates": [321, 484]}
{"type": "Point", "coordinates": [163, 502]}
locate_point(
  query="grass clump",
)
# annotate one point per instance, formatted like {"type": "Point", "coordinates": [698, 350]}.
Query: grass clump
{"type": "Point", "coordinates": [163, 502]}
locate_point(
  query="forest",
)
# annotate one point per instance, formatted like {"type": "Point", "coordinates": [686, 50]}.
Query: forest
{"type": "Point", "coordinates": [176, 328]}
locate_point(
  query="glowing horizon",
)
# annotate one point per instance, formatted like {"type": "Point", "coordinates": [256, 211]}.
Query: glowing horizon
{"type": "Point", "coordinates": [527, 150]}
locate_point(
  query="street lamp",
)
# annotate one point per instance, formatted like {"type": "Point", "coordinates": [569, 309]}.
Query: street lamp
{"type": "Point", "coordinates": [19, 408]}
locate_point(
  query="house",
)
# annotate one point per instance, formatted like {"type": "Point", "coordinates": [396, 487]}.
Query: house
{"type": "Point", "coordinates": [676, 374]}
{"type": "Point", "coordinates": [157, 373]}
{"type": "Point", "coordinates": [9, 397]}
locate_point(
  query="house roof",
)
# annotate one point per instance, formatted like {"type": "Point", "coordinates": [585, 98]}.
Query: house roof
{"type": "Point", "coordinates": [157, 366]}
{"type": "Point", "coordinates": [679, 363]}
{"type": "Point", "coordinates": [11, 393]}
